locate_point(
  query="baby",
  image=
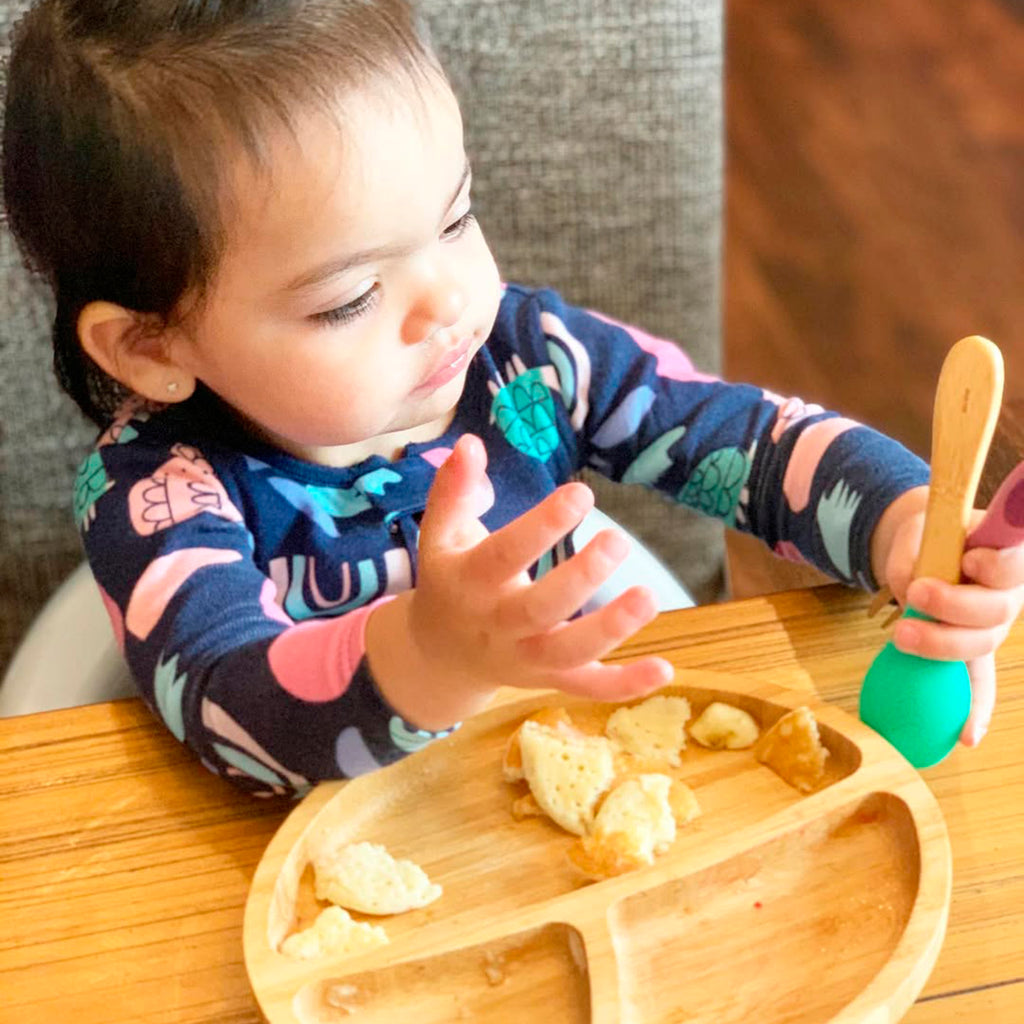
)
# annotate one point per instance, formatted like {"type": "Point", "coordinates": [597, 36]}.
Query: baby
{"type": "Point", "coordinates": [331, 507]}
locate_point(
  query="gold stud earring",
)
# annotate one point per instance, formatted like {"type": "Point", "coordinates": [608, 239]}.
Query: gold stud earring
{"type": "Point", "coordinates": [172, 386]}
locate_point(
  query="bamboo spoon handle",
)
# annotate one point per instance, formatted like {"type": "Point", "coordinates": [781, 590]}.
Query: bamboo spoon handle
{"type": "Point", "coordinates": [967, 401]}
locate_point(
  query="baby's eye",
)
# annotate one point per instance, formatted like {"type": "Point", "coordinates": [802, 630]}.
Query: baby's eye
{"type": "Point", "coordinates": [458, 227]}
{"type": "Point", "coordinates": [351, 310]}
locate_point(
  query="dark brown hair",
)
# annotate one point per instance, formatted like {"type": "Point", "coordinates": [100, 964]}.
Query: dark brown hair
{"type": "Point", "coordinates": [119, 115]}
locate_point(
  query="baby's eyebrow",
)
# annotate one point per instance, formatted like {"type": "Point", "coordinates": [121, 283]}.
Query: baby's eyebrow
{"type": "Point", "coordinates": [338, 266]}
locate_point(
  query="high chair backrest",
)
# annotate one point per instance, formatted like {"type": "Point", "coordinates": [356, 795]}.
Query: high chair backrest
{"type": "Point", "coordinates": [595, 133]}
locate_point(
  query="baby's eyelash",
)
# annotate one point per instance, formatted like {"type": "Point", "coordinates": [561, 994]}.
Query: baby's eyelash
{"type": "Point", "coordinates": [458, 227]}
{"type": "Point", "coordinates": [350, 311]}
{"type": "Point", "coordinates": [358, 307]}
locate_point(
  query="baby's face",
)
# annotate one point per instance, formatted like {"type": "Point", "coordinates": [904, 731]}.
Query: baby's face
{"type": "Point", "coordinates": [355, 286]}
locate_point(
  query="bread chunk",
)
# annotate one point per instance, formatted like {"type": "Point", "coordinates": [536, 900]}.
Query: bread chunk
{"type": "Point", "coordinates": [365, 877]}
{"type": "Point", "coordinates": [640, 807]}
{"type": "Point", "coordinates": [333, 932]}
{"type": "Point", "coordinates": [605, 856]}
{"type": "Point", "coordinates": [512, 763]}
{"type": "Point", "coordinates": [722, 726]}
{"type": "Point", "coordinates": [636, 821]}
{"type": "Point", "coordinates": [567, 772]}
{"type": "Point", "coordinates": [793, 750]}
{"type": "Point", "coordinates": [655, 729]}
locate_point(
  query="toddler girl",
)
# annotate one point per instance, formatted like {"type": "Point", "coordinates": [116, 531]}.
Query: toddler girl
{"type": "Point", "coordinates": [331, 506]}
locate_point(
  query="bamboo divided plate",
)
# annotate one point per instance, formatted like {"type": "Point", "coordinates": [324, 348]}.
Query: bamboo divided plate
{"type": "Point", "coordinates": [771, 906]}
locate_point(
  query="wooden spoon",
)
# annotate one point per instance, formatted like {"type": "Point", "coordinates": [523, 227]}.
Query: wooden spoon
{"type": "Point", "coordinates": [1001, 527]}
{"type": "Point", "coordinates": [920, 706]}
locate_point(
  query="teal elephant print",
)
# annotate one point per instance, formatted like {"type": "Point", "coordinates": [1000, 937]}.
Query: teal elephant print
{"type": "Point", "coordinates": [715, 486]}
{"type": "Point", "coordinates": [524, 409]}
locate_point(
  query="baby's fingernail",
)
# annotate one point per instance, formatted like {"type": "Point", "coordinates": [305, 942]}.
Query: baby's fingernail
{"type": "Point", "coordinates": [641, 603]}
{"type": "Point", "coordinates": [577, 499]}
{"type": "Point", "coordinates": [918, 594]}
{"type": "Point", "coordinates": [906, 635]}
{"type": "Point", "coordinates": [614, 546]}
{"type": "Point", "coordinates": [662, 672]}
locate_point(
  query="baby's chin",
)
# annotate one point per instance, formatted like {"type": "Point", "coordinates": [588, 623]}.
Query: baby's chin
{"type": "Point", "coordinates": [391, 445]}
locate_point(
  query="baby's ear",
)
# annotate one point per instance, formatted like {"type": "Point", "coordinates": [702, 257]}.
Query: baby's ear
{"type": "Point", "coordinates": [134, 350]}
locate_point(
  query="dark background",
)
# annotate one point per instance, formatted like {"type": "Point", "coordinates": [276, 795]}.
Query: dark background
{"type": "Point", "coordinates": [874, 198]}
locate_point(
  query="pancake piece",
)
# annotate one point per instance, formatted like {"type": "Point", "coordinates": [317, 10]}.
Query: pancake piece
{"type": "Point", "coordinates": [335, 933]}
{"type": "Point", "coordinates": [567, 772]}
{"type": "Point", "coordinates": [365, 877]}
{"type": "Point", "coordinates": [793, 750]}
{"type": "Point", "coordinates": [636, 821]}
{"type": "Point", "coordinates": [655, 729]}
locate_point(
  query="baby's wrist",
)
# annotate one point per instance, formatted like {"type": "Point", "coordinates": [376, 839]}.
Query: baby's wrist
{"type": "Point", "coordinates": [425, 694]}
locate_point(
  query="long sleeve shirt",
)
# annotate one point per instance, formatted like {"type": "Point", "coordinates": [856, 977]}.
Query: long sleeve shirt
{"type": "Point", "coordinates": [239, 578]}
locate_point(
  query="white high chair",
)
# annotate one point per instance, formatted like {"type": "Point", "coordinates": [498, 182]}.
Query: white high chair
{"type": "Point", "coordinates": [68, 657]}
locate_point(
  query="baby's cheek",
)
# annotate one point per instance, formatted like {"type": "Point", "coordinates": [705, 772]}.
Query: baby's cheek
{"type": "Point", "coordinates": [485, 278]}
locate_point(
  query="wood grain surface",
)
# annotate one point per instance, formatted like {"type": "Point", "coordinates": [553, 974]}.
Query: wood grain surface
{"type": "Point", "coordinates": [762, 894]}
{"type": "Point", "coordinates": [124, 866]}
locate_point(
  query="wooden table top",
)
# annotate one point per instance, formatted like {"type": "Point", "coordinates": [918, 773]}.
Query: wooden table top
{"type": "Point", "coordinates": [125, 866]}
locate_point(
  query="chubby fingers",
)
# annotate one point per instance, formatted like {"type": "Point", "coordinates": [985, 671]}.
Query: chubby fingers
{"type": "Point", "coordinates": [997, 569]}
{"type": "Point", "coordinates": [965, 604]}
{"type": "Point", "coordinates": [560, 593]}
{"type": "Point", "coordinates": [972, 619]}
{"type": "Point", "coordinates": [983, 699]}
{"type": "Point", "coordinates": [614, 682]}
{"type": "Point", "coordinates": [943, 642]}
{"type": "Point", "coordinates": [460, 494]}
{"type": "Point", "coordinates": [515, 547]}
{"type": "Point", "coordinates": [572, 644]}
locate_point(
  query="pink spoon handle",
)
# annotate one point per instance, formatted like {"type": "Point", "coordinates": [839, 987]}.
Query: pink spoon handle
{"type": "Point", "coordinates": [1003, 525]}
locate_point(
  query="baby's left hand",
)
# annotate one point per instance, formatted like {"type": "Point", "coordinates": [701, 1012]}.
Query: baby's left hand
{"type": "Point", "coordinates": [972, 618]}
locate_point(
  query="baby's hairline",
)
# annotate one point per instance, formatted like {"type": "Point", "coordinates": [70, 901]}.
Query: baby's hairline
{"type": "Point", "coordinates": [123, 196]}
{"type": "Point", "coordinates": [262, 165]}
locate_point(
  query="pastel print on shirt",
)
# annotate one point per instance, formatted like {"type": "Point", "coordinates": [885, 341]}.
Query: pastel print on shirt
{"type": "Point", "coordinates": [524, 410]}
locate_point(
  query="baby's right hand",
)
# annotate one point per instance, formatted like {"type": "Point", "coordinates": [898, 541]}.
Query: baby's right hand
{"type": "Point", "coordinates": [476, 621]}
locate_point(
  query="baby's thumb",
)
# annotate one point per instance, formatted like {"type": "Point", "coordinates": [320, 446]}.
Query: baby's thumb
{"type": "Point", "coordinates": [899, 569]}
{"type": "Point", "coordinates": [460, 494]}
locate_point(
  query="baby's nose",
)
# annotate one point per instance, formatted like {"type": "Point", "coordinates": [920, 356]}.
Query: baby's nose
{"type": "Point", "coordinates": [438, 305]}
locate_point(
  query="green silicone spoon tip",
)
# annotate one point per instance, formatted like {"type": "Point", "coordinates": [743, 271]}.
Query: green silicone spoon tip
{"type": "Point", "coordinates": [920, 706]}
